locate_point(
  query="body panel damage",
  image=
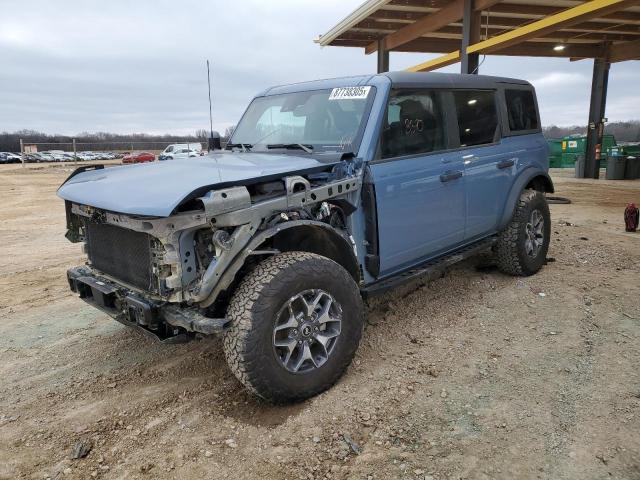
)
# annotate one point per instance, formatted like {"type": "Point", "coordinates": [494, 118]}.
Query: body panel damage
{"type": "Point", "coordinates": [157, 188]}
{"type": "Point", "coordinates": [197, 253]}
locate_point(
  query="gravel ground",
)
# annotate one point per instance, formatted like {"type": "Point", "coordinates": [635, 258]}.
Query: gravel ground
{"type": "Point", "coordinates": [473, 376]}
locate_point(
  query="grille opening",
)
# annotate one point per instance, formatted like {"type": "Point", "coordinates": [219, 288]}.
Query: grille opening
{"type": "Point", "coordinates": [124, 254]}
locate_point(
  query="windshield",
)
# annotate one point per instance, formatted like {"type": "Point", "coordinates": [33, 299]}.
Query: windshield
{"type": "Point", "coordinates": [325, 120]}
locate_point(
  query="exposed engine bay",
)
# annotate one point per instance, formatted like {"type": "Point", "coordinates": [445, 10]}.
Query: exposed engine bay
{"type": "Point", "coordinates": [172, 275]}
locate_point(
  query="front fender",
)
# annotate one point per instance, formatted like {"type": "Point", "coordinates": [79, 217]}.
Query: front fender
{"type": "Point", "coordinates": [528, 176]}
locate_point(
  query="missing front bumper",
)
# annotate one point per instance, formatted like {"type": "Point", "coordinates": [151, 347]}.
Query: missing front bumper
{"type": "Point", "coordinates": [164, 321]}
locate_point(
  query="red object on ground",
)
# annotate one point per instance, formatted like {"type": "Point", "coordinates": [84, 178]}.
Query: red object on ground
{"type": "Point", "coordinates": [138, 157]}
{"type": "Point", "coordinates": [631, 215]}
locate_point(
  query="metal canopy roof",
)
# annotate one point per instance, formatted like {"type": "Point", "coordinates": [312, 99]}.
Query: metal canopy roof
{"type": "Point", "coordinates": [608, 29]}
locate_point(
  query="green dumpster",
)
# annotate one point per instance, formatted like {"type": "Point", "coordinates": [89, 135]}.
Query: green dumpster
{"type": "Point", "coordinates": [577, 145]}
{"type": "Point", "coordinates": [627, 149]}
{"type": "Point", "coordinates": [568, 160]}
{"type": "Point", "coordinates": [632, 149]}
{"type": "Point", "coordinates": [555, 152]}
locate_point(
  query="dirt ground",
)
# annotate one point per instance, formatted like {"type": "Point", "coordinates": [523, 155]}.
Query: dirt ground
{"type": "Point", "coordinates": [474, 376]}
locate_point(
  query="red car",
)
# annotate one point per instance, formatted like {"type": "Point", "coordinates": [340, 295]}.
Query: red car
{"type": "Point", "coordinates": [138, 157]}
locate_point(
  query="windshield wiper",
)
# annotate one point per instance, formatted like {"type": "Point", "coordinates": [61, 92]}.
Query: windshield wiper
{"type": "Point", "coordinates": [243, 146]}
{"type": "Point", "coordinates": [292, 146]}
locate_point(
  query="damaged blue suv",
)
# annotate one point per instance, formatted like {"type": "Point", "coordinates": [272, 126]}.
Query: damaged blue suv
{"type": "Point", "coordinates": [328, 191]}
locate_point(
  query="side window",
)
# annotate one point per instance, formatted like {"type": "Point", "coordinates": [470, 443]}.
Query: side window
{"type": "Point", "coordinates": [414, 124]}
{"type": "Point", "coordinates": [169, 149]}
{"type": "Point", "coordinates": [477, 116]}
{"type": "Point", "coordinates": [521, 110]}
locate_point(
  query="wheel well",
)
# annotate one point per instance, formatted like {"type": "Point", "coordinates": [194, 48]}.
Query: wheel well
{"type": "Point", "coordinates": [321, 241]}
{"type": "Point", "coordinates": [540, 183]}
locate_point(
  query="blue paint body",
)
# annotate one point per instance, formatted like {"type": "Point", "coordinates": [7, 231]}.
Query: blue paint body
{"type": "Point", "coordinates": [156, 189]}
{"type": "Point", "coordinates": [419, 216]}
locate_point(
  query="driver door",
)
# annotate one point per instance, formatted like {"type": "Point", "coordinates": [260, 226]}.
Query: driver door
{"type": "Point", "coordinates": [419, 184]}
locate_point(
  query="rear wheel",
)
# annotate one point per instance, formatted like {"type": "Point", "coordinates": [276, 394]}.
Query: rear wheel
{"type": "Point", "coordinates": [296, 323]}
{"type": "Point", "coordinates": [523, 245]}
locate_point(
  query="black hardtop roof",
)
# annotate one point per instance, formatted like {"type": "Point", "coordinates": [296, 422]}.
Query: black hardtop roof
{"type": "Point", "coordinates": [448, 80]}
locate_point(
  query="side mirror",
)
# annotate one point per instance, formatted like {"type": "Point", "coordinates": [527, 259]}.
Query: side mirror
{"type": "Point", "coordinates": [214, 141]}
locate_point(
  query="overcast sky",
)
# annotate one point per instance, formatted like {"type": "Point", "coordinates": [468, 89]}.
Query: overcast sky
{"type": "Point", "coordinates": [124, 66]}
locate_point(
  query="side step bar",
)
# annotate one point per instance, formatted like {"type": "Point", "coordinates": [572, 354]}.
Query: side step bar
{"type": "Point", "coordinates": [430, 270]}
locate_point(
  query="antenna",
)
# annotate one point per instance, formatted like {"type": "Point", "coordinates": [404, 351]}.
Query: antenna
{"type": "Point", "coordinates": [210, 115]}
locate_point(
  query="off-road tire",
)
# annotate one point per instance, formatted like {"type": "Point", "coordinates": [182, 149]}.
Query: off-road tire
{"type": "Point", "coordinates": [253, 310]}
{"type": "Point", "coordinates": [510, 250]}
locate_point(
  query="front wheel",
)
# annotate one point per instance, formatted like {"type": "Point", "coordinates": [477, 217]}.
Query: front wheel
{"type": "Point", "coordinates": [296, 321]}
{"type": "Point", "coordinates": [523, 245]}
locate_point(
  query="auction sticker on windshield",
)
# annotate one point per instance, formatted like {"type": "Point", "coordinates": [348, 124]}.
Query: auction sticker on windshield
{"type": "Point", "coordinates": [349, 93]}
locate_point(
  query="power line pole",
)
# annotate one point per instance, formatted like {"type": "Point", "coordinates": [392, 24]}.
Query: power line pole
{"type": "Point", "coordinates": [210, 114]}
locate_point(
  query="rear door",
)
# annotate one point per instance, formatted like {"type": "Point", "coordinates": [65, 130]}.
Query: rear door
{"type": "Point", "coordinates": [489, 164]}
{"type": "Point", "coordinates": [419, 183]}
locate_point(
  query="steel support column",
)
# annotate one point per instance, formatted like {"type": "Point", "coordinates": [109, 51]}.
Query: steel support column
{"type": "Point", "coordinates": [383, 57]}
{"type": "Point", "coordinates": [595, 129]}
{"type": "Point", "coordinates": [470, 35]}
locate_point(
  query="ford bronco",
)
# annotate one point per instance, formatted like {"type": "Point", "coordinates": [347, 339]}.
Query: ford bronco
{"type": "Point", "coordinates": [328, 191]}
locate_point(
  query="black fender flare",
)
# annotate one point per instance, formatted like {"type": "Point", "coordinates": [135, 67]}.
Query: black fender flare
{"type": "Point", "coordinates": [525, 178]}
{"type": "Point", "coordinates": [253, 248]}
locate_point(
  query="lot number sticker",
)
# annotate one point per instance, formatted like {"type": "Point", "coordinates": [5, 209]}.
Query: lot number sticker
{"type": "Point", "coordinates": [349, 93]}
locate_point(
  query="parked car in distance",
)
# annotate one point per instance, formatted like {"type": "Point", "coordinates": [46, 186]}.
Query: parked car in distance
{"type": "Point", "coordinates": [46, 157]}
{"type": "Point", "coordinates": [8, 157]}
{"type": "Point", "coordinates": [328, 191]}
{"type": "Point", "coordinates": [180, 153]}
{"type": "Point", "coordinates": [58, 155]}
{"type": "Point", "coordinates": [138, 157]}
{"type": "Point", "coordinates": [170, 152]}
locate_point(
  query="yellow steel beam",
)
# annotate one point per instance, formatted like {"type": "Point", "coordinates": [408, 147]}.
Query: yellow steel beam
{"type": "Point", "coordinates": [443, 61]}
{"type": "Point", "coordinates": [571, 16]}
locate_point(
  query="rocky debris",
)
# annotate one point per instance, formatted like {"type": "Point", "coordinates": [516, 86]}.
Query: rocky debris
{"type": "Point", "coordinates": [81, 449]}
{"type": "Point", "coordinates": [231, 443]}
{"type": "Point", "coordinates": [355, 448]}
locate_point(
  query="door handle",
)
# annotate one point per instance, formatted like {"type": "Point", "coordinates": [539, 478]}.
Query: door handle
{"type": "Point", "coordinates": [506, 163]}
{"type": "Point", "coordinates": [451, 175]}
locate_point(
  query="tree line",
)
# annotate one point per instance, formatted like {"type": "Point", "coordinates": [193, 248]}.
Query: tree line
{"type": "Point", "coordinates": [105, 141]}
{"type": "Point", "coordinates": [622, 131]}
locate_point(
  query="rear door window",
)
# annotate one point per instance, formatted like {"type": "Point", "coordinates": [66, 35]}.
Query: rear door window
{"type": "Point", "coordinates": [414, 124]}
{"type": "Point", "coordinates": [521, 110]}
{"type": "Point", "coordinates": [477, 116]}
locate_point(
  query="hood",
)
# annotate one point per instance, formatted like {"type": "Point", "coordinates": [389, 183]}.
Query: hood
{"type": "Point", "coordinates": [156, 189]}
